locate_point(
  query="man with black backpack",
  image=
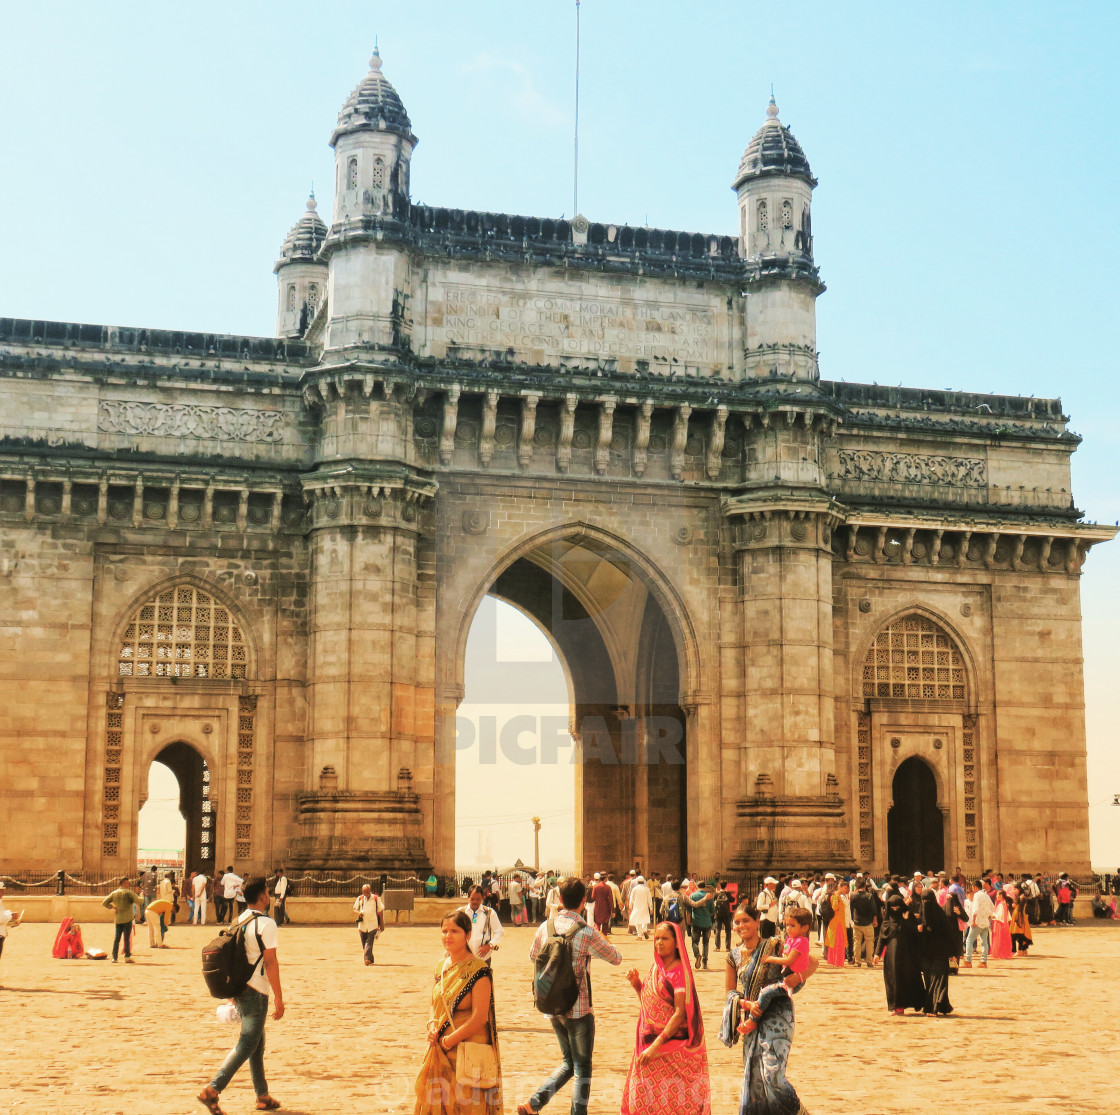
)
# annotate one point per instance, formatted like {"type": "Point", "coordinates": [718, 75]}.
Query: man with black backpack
{"type": "Point", "coordinates": [561, 951]}
{"type": "Point", "coordinates": [256, 936]}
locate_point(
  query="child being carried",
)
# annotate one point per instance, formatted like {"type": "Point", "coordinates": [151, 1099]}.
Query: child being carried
{"type": "Point", "coordinates": [794, 961]}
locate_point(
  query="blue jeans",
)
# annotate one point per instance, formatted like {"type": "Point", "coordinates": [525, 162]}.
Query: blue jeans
{"type": "Point", "coordinates": [253, 1007]}
{"type": "Point", "coordinates": [976, 934]}
{"type": "Point", "coordinates": [577, 1042]}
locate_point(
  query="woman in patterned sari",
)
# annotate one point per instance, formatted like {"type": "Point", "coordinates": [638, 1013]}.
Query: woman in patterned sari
{"type": "Point", "coordinates": [669, 1070]}
{"type": "Point", "coordinates": [766, 1091]}
{"type": "Point", "coordinates": [461, 1020]}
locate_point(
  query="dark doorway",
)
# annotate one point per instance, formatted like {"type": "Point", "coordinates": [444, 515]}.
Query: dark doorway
{"type": "Point", "coordinates": [193, 775]}
{"type": "Point", "coordinates": [915, 830]}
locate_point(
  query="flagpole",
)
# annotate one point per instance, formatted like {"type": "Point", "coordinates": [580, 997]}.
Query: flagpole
{"type": "Point", "coordinates": [575, 159]}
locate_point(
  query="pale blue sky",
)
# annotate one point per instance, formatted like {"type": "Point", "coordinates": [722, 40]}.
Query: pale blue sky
{"type": "Point", "coordinates": [154, 159]}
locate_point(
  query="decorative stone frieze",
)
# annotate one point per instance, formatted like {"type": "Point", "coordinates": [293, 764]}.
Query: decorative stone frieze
{"type": "Point", "coordinates": [178, 420]}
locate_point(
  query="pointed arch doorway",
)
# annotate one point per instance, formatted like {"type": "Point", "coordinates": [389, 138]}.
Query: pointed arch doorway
{"type": "Point", "coordinates": [193, 776]}
{"type": "Point", "coordinates": [915, 825]}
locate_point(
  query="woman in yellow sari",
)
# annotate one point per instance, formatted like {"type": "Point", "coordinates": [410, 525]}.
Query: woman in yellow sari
{"type": "Point", "coordinates": [462, 1072]}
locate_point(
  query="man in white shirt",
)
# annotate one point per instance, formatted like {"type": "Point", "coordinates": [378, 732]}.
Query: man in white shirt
{"type": "Point", "coordinates": [793, 896]}
{"type": "Point", "coordinates": [486, 929]}
{"type": "Point", "coordinates": [6, 918]}
{"type": "Point", "coordinates": [371, 920]}
{"type": "Point", "coordinates": [767, 905]}
{"type": "Point", "coordinates": [199, 896]}
{"type": "Point", "coordinates": [980, 911]}
{"type": "Point", "coordinates": [516, 900]}
{"type": "Point", "coordinates": [252, 1003]}
{"type": "Point", "coordinates": [280, 894]}
{"type": "Point", "coordinates": [537, 890]}
{"type": "Point", "coordinates": [230, 885]}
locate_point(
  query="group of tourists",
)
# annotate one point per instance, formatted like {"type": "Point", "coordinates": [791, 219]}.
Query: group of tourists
{"type": "Point", "coordinates": [668, 1073]}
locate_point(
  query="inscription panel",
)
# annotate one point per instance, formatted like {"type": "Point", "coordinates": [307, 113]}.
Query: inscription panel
{"type": "Point", "coordinates": [636, 328]}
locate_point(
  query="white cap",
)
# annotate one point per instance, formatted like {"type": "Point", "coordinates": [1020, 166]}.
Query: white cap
{"type": "Point", "coordinates": [918, 875]}
{"type": "Point", "coordinates": [597, 875]}
{"type": "Point", "coordinates": [633, 871]}
{"type": "Point", "coordinates": [795, 882]}
{"type": "Point", "coordinates": [769, 879]}
{"type": "Point", "coordinates": [829, 875]}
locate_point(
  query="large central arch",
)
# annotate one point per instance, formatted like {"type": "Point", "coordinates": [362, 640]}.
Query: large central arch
{"type": "Point", "coordinates": [630, 656]}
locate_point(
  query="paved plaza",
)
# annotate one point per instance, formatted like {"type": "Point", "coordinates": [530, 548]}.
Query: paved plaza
{"type": "Point", "coordinates": [1037, 1035]}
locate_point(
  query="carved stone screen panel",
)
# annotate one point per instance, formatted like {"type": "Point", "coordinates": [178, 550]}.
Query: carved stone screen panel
{"type": "Point", "coordinates": [913, 658]}
{"type": "Point", "coordinates": [183, 632]}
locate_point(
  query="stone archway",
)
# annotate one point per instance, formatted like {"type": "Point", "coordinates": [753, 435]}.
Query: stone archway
{"type": "Point", "coordinates": [915, 824]}
{"type": "Point", "coordinates": [193, 776]}
{"type": "Point", "coordinates": [612, 628]}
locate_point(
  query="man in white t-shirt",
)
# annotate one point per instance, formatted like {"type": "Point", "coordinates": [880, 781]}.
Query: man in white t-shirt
{"type": "Point", "coordinates": [486, 929]}
{"type": "Point", "coordinates": [230, 885]}
{"type": "Point", "coordinates": [7, 918]}
{"type": "Point", "coordinates": [252, 1003]}
{"type": "Point", "coordinates": [516, 900]}
{"type": "Point", "coordinates": [371, 920]}
{"type": "Point", "coordinates": [767, 905]}
{"type": "Point", "coordinates": [199, 896]}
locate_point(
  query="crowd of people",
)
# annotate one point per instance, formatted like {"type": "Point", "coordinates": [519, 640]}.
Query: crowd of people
{"type": "Point", "coordinates": [919, 931]}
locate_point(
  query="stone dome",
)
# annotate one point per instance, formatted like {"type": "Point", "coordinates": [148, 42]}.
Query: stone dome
{"type": "Point", "coordinates": [773, 151]}
{"type": "Point", "coordinates": [375, 105]}
{"type": "Point", "coordinates": [306, 238]}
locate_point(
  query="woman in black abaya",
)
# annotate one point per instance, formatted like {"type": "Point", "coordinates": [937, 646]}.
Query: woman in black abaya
{"type": "Point", "coordinates": [902, 972]}
{"type": "Point", "coordinates": [936, 944]}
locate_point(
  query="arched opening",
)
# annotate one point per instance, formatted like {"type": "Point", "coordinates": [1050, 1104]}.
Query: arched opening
{"type": "Point", "coordinates": [915, 830]}
{"type": "Point", "coordinates": [178, 813]}
{"type": "Point", "coordinates": [604, 615]}
{"type": "Point", "coordinates": [514, 757]}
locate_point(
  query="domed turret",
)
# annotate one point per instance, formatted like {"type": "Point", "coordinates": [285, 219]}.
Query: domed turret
{"type": "Point", "coordinates": [300, 277]}
{"type": "Point", "coordinates": [374, 104]}
{"type": "Point", "coordinates": [373, 144]}
{"type": "Point", "coordinates": [773, 151]}
{"type": "Point", "coordinates": [775, 188]}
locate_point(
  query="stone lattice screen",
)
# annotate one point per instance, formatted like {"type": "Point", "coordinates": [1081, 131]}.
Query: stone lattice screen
{"type": "Point", "coordinates": [913, 658]}
{"type": "Point", "coordinates": [183, 632]}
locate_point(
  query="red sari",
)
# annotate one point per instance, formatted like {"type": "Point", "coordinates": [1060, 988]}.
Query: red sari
{"type": "Point", "coordinates": [675, 1082]}
{"type": "Point", "coordinates": [68, 941]}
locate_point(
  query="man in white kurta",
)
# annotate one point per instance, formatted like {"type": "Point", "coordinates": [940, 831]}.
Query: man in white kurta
{"type": "Point", "coordinates": [641, 907]}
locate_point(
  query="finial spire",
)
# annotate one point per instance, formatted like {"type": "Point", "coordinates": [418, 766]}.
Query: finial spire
{"type": "Point", "coordinates": [375, 59]}
{"type": "Point", "coordinates": [311, 202]}
{"type": "Point", "coordinates": [772, 107]}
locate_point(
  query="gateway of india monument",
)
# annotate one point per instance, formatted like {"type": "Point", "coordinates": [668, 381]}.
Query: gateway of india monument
{"type": "Point", "coordinates": [803, 622]}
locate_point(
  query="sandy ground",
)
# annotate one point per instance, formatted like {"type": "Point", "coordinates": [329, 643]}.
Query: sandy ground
{"type": "Point", "coordinates": [1034, 1035]}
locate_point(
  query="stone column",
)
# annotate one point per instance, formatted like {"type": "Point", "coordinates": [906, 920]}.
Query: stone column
{"type": "Point", "coordinates": [789, 806]}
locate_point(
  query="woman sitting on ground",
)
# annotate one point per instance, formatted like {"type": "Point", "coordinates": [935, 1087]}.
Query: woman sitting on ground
{"type": "Point", "coordinates": [462, 1070]}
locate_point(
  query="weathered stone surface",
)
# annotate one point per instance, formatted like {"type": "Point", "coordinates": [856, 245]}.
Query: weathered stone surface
{"type": "Point", "coordinates": [621, 431]}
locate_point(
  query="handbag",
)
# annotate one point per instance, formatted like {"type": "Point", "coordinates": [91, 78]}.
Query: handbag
{"type": "Point", "coordinates": [476, 1065]}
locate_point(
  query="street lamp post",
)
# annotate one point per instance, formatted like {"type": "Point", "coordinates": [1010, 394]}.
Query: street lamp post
{"type": "Point", "coordinates": [536, 843]}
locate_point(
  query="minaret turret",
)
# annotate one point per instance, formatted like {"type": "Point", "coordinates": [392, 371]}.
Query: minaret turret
{"type": "Point", "coordinates": [300, 276]}
{"type": "Point", "coordinates": [775, 188]}
{"type": "Point", "coordinates": [373, 145]}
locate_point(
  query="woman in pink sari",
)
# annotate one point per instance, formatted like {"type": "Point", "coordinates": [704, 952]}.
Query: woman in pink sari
{"type": "Point", "coordinates": [669, 1070]}
{"type": "Point", "coordinates": [1001, 935]}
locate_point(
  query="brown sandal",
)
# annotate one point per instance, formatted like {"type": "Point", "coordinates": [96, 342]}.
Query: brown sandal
{"type": "Point", "coordinates": [267, 1103]}
{"type": "Point", "coordinates": [209, 1099]}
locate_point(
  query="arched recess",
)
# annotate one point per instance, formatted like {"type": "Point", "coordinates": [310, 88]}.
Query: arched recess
{"type": "Point", "coordinates": [192, 773]}
{"type": "Point", "coordinates": [181, 664]}
{"type": "Point", "coordinates": [916, 697]}
{"type": "Point", "coordinates": [631, 659]}
{"type": "Point", "coordinates": [915, 821]}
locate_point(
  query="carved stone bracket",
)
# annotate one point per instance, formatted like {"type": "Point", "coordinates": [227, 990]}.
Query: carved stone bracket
{"type": "Point", "coordinates": [642, 422]}
{"type": "Point", "coordinates": [567, 429]}
{"type": "Point", "coordinates": [680, 438]}
{"type": "Point", "coordinates": [489, 423]}
{"type": "Point", "coordinates": [715, 442]}
{"type": "Point", "coordinates": [528, 430]}
{"type": "Point", "coordinates": [450, 421]}
{"type": "Point", "coordinates": [606, 426]}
